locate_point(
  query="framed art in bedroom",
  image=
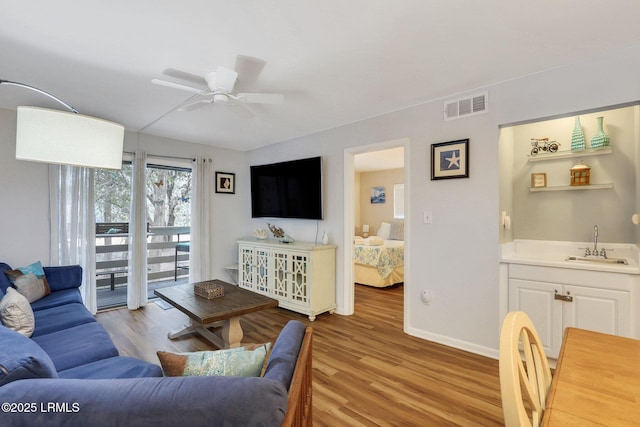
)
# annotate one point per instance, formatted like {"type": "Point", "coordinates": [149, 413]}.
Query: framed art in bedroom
{"type": "Point", "coordinates": [450, 159]}
{"type": "Point", "coordinates": [378, 195]}
{"type": "Point", "coordinates": [225, 182]}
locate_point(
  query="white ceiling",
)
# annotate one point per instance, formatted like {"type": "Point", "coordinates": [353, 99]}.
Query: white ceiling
{"type": "Point", "coordinates": [336, 62]}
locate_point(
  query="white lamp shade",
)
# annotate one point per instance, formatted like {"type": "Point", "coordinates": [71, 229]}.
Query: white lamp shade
{"type": "Point", "coordinates": [365, 228]}
{"type": "Point", "coordinates": [53, 136]}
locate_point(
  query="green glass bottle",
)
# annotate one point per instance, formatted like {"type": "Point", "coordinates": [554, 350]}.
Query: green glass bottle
{"type": "Point", "coordinates": [577, 138]}
{"type": "Point", "coordinates": [600, 139]}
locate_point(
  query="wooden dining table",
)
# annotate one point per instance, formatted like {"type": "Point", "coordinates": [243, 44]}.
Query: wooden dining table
{"type": "Point", "coordinates": [596, 381]}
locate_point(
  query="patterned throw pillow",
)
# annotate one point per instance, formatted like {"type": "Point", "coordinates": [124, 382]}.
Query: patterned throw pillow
{"type": "Point", "coordinates": [16, 313]}
{"type": "Point", "coordinates": [239, 362]}
{"type": "Point", "coordinates": [30, 281]}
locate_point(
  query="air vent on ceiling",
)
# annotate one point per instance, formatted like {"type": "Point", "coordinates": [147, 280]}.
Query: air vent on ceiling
{"type": "Point", "coordinates": [464, 107]}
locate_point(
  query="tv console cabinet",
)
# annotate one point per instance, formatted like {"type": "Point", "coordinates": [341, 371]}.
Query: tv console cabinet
{"type": "Point", "coordinates": [300, 275]}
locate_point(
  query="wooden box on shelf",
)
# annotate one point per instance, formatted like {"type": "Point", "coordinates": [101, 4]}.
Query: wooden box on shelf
{"type": "Point", "coordinates": [580, 174]}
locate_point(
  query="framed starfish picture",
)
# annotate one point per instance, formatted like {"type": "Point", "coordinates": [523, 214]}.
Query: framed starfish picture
{"type": "Point", "coordinates": [450, 159]}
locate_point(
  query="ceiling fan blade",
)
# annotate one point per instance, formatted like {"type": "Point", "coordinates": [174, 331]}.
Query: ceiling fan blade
{"type": "Point", "coordinates": [183, 75]}
{"type": "Point", "coordinates": [225, 79]}
{"type": "Point", "coordinates": [190, 106]}
{"type": "Point", "coordinates": [240, 110]}
{"type": "Point", "coordinates": [248, 69]}
{"type": "Point", "coordinates": [176, 86]}
{"type": "Point", "coordinates": [260, 98]}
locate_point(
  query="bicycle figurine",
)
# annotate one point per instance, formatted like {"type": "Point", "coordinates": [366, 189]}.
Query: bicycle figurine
{"type": "Point", "coordinates": [543, 144]}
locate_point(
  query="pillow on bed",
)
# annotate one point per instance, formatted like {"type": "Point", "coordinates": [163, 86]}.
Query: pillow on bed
{"type": "Point", "coordinates": [397, 230]}
{"type": "Point", "coordinates": [384, 230]}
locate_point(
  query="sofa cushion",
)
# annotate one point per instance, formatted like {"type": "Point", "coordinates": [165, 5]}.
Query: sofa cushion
{"type": "Point", "coordinates": [284, 356]}
{"type": "Point", "coordinates": [238, 362]}
{"type": "Point", "coordinates": [77, 345]}
{"type": "Point", "coordinates": [113, 367]}
{"type": "Point", "coordinates": [133, 402]}
{"type": "Point", "coordinates": [64, 277]}
{"type": "Point", "coordinates": [62, 317]}
{"type": "Point", "coordinates": [58, 298]}
{"type": "Point", "coordinates": [21, 358]}
{"type": "Point", "coordinates": [16, 312]}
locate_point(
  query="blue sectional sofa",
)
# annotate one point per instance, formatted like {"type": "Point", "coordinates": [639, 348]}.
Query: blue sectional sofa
{"type": "Point", "coordinates": [70, 373]}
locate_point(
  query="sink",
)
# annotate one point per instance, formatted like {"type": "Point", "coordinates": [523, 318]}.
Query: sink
{"type": "Point", "coordinates": [597, 259]}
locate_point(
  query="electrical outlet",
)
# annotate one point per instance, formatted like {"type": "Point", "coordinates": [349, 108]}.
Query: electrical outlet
{"type": "Point", "coordinates": [428, 217]}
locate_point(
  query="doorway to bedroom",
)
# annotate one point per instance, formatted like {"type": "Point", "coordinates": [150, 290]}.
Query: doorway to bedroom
{"type": "Point", "coordinates": [377, 217]}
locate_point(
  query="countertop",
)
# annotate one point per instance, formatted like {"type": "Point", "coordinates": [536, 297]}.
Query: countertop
{"type": "Point", "coordinates": [554, 253]}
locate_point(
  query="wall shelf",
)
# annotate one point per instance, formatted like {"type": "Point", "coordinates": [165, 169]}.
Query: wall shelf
{"type": "Point", "coordinates": [572, 188]}
{"type": "Point", "coordinates": [570, 154]}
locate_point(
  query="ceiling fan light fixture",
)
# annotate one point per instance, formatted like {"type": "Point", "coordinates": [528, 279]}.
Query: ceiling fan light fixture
{"type": "Point", "coordinates": [220, 98]}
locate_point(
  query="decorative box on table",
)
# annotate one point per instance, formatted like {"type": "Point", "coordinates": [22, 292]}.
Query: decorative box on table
{"type": "Point", "coordinates": [208, 290]}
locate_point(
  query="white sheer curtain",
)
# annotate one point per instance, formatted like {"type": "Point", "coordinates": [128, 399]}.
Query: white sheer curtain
{"type": "Point", "coordinates": [137, 277]}
{"type": "Point", "coordinates": [72, 213]}
{"type": "Point", "coordinates": [201, 220]}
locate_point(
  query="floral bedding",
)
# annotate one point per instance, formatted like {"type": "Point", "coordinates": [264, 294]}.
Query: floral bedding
{"type": "Point", "coordinates": [384, 258]}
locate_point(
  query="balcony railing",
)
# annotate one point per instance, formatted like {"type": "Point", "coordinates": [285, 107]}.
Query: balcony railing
{"type": "Point", "coordinates": [164, 262]}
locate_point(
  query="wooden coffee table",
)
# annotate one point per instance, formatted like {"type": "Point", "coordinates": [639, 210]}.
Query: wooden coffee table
{"type": "Point", "coordinates": [223, 312]}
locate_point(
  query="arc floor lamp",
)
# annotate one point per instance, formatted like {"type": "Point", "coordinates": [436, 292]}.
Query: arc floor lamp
{"type": "Point", "coordinates": [60, 137]}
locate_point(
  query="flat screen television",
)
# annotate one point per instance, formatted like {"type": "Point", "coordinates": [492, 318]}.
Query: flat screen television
{"type": "Point", "coordinates": [290, 189]}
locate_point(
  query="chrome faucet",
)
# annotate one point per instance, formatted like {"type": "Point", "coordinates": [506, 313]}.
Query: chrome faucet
{"type": "Point", "coordinates": [587, 250]}
{"type": "Point", "coordinates": [594, 251]}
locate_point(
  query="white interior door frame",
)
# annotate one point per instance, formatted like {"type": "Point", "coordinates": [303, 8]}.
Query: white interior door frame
{"type": "Point", "coordinates": [349, 224]}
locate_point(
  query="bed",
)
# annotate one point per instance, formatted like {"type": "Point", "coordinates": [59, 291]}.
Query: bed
{"type": "Point", "coordinates": [378, 265]}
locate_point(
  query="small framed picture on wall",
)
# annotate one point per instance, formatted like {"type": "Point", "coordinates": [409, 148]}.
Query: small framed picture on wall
{"type": "Point", "coordinates": [538, 180]}
{"type": "Point", "coordinates": [225, 182]}
{"type": "Point", "coordinates": [378, 195]}
{"type": "Point", "coordinates": [450, 160]}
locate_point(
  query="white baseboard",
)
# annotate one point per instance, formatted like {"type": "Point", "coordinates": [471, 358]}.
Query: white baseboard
{"type": "Point", "coordinates": [455, 343]}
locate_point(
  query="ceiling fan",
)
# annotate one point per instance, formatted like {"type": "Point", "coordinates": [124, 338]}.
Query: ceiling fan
{"type": "Point", "coordinates": [217, 86]}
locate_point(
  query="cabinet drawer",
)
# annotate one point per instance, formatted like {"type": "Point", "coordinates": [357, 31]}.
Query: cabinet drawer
{"type": "Point", "coordinates": [573, 276]}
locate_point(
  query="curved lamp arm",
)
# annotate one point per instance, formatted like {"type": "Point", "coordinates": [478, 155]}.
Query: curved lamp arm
{"type": "Point", "coordinates": [7, 82]}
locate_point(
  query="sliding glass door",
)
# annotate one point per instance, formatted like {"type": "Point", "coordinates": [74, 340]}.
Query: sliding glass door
{"type": "Point", "coordinates": [168, 198]}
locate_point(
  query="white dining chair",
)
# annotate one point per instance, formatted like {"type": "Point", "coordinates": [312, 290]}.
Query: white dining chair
{"type": "Point", "coordinates": [524, 384]}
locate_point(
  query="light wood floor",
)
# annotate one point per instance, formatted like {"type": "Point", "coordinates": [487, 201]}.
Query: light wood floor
{"type": "Point", "coordinates": [367, 372]}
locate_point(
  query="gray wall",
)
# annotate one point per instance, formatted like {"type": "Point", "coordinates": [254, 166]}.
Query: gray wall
{"type": "Point", "coordinates": [24, 217]}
